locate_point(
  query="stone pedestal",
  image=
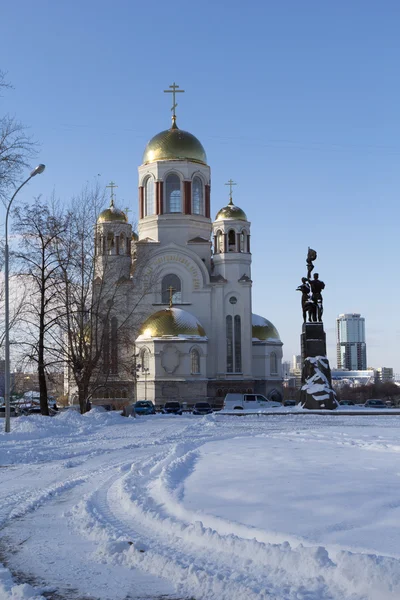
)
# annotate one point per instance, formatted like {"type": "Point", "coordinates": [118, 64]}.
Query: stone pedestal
{"type": "Point", "coordinates": [316, 390]}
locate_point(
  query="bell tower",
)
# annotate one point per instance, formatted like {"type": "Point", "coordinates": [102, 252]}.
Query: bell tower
{"type": "Point", "coordinates": [174, 187]}
{"type": "Point", "coordinates": [113, 237]}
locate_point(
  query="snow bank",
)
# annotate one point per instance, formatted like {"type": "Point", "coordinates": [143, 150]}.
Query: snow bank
{"type": "Point", "coordinates": [12, 591]}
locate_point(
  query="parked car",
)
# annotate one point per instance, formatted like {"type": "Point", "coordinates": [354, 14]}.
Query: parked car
{"type": "Point", "coordinates": [13, 411]}
{"type": "Point", "coordinates": [202, 408]}
{"type": "Point", "coordinates": [289, 403]}
{"type": "Point", "coordinates": [173, 408]}
{"type": "Point", "coordinates": [347, 403]}
{"type": "Point", "coordinates": [144, 407]}
{"type": "Point", "coordinates": [248, 401]}
{"type": "Point", "coordinates": [375, 404]}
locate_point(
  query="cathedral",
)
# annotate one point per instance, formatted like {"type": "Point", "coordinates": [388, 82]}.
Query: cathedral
{"type": "Point", "coordinates": [180, 323]}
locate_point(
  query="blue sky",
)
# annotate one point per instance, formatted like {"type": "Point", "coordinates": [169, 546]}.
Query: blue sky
{"type": "Point", "coordinates": [298, 102]}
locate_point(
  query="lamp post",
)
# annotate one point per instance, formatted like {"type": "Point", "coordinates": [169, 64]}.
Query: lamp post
{"type": "Point", "coordinates": [37, 171]}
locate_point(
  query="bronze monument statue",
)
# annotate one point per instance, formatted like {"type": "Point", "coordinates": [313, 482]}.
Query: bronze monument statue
{"type": "Point", "coordinates": [311, 298]}
{"type": "Point", "coordinates": [316, 391]}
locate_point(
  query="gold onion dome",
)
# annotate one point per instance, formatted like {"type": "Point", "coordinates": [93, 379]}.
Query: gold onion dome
{"type": "Point", "coordinates": [112, 214]}
{"type": "Point", "coordinates": [174, 144]}
{"type": "Point", "coordinates": [171, 322]}
{"type": "Point", "coordinates": [231, 212]}
{"type": "Point", "coordinates": [135, 236]}
{"type": "Point", "coordinates": [263, 329]}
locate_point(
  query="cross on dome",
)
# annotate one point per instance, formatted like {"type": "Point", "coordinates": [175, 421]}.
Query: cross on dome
{"type": "Point", "coordinates": [174, 91]}
{"type": "Point", "coordinates": [230, 183]}
{"type": "Point", "coordinates": [112, 185]}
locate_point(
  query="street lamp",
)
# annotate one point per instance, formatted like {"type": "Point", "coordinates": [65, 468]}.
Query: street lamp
{"type": "Point", "coordinates": [37, 171]}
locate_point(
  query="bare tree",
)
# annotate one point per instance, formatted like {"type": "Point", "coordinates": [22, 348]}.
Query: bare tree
{"type": "Point", "coordinates": [39, 226]}
{"type": "Point", "coordinates": [16, 148]}
{"type": "Point", "coordinates": [89, 304]}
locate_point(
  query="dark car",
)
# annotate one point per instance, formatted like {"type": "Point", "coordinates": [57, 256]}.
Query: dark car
{"type": "Point", "coordinates": [144, 407]}
{"type": "Point", "coordinates": [347, 403]}
{"type": "Point", "coordinates": [13, 411]}
{"type": "Point", "coordinates": [375, 404]}
{"type": "Point", "coordinates": [172, 408]}
{"type": "Point", "coordinates": [289, 403]}
{"type": "Point", "coordinates": [202, 408]}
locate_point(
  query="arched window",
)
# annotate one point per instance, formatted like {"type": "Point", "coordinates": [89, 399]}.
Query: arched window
{"type": "Point", "coordinates": [110, 243]}
{"type": "Point", "coordinates": [144, 359]}
{"type": "Point", "coordinates": [220, 242]}
{"type": "Point", "coordinates": [229, 344]}
{"type": "Point", "coordinates": [195, 361]}
{"type": "Point", "coordinates": [231, 241]}
{"type": "Point", "coordinates": [173, 194]}
{"type": "Point", "coordinates": [198, 196]}
{"type": "Point", "coordinates": [238, 345]}
{"type": "Point", "coordinates": [243, 241]}
{"type": "Point", "coordinates": [122, 247]}
{"type": "Point", "coordinates": [149, 204]}
{"type": "Point", "coordinates": [273, 363]}
{"type": "Point", "coordinates": [171, 281]}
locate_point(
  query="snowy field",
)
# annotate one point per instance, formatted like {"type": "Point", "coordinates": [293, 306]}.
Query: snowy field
{"type": "Point", "coordinates": [220, 507]}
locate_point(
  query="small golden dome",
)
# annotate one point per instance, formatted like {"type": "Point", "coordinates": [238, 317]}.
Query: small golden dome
{"type": "Point", "coordinates": [174, 144]}
{"type": "Point", "coordinates": [135, 236]}
{"type": "Point", "coordinates": [263, 329]}
{"type": "Point", "coordinates": [231, 212]}
{"type": "Point", "coordinates": [171, 322]}
{"type": "Point", "coordinates": [112, 214]}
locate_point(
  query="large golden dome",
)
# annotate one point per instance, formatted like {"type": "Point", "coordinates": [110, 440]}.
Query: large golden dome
{"type": "Point", "coordinates": [171, 322]}
{"type": "Point", "coordinates": [112, 214]}
{"type": "Point", "coordinates": [263, 329]}
{"type": "Point", "coordinates": [174, 144]}
{"type": "Point", "coordinates": [231, 212]}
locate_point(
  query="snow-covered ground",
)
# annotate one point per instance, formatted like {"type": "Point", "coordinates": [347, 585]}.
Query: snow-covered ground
{"type": "Point", "coordinates": [284, 507]}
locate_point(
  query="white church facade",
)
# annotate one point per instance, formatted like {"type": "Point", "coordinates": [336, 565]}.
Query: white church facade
{"type": "Point", "coordinates": [194, 334]}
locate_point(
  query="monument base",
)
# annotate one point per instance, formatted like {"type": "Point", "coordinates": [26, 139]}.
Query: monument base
{"type": "Point", "coordinates": [316, 390]}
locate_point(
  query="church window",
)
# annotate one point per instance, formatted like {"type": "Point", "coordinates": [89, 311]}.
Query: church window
{"type": "Point", "coordinates": [273, 363]}
{"type": "Point", "coordinates": [229, 345]}
{"type": "Point", "coordinates": [114, 346]}
{"type": "Point", "coordinates": [110, 243]}
{"type": "Point", "coordinates": [144, 360]}
{"type": "Point", "coordinates": [198, 197]}
{"type": "Point", "coordinates": [149, 204]}
{"type": "Point", "coordinates": [243, 241]}
{"type": "Point", "coordinates": [195, 361]}
{"type": "Point", "coordinates": [122, 249]}
{"type": "Point", "coordinates": [238, 345]}
{"type": "Point", "coordinates": [220, 242]}
{"type": "Point", "coordinates": [168, 282]}
{"type": "Point", "coordinates": [173, 194]}
{"type": "Point", "coordinates": [231, 241]}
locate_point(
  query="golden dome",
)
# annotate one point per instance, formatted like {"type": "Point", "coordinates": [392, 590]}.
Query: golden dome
{"type": "Point", "coordinates": [171, 321]}
{"type": "Point", "coordinates": [263, 329]}
{"type": "Point", "coordinates": [135, 236]}
{"type": "Point", "coordinates": [231, 212]}
{"type": "Point", "coordinates": [174, 144]}
{"type": "Point", "coordinates": [112, 214]}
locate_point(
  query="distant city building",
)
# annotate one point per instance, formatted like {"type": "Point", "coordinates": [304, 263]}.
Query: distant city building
{"type": "Point", "coordinates": [353, 378]}
{"type": "Point", "coordinates": [384, 375]}
{"type": "Point", "coordinates": [296, 362]}
{"type": "Point", "coordinates": [351, 347]}
{"type": "Point", "coordinates": [286, 369]}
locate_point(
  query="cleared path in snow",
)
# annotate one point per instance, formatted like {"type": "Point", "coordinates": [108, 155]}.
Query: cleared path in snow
{"type": "Point", "coordinates": [116, 508]}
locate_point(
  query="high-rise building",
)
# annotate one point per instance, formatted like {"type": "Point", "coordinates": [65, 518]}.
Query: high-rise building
{"type": "Point", "coordinates": [351, 347]}
{"type": "Point", "coordinates": [384, 375]}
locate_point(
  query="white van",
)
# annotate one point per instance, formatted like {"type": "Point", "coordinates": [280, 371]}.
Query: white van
{"type": "Point", "coordinates": [248, 401]}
